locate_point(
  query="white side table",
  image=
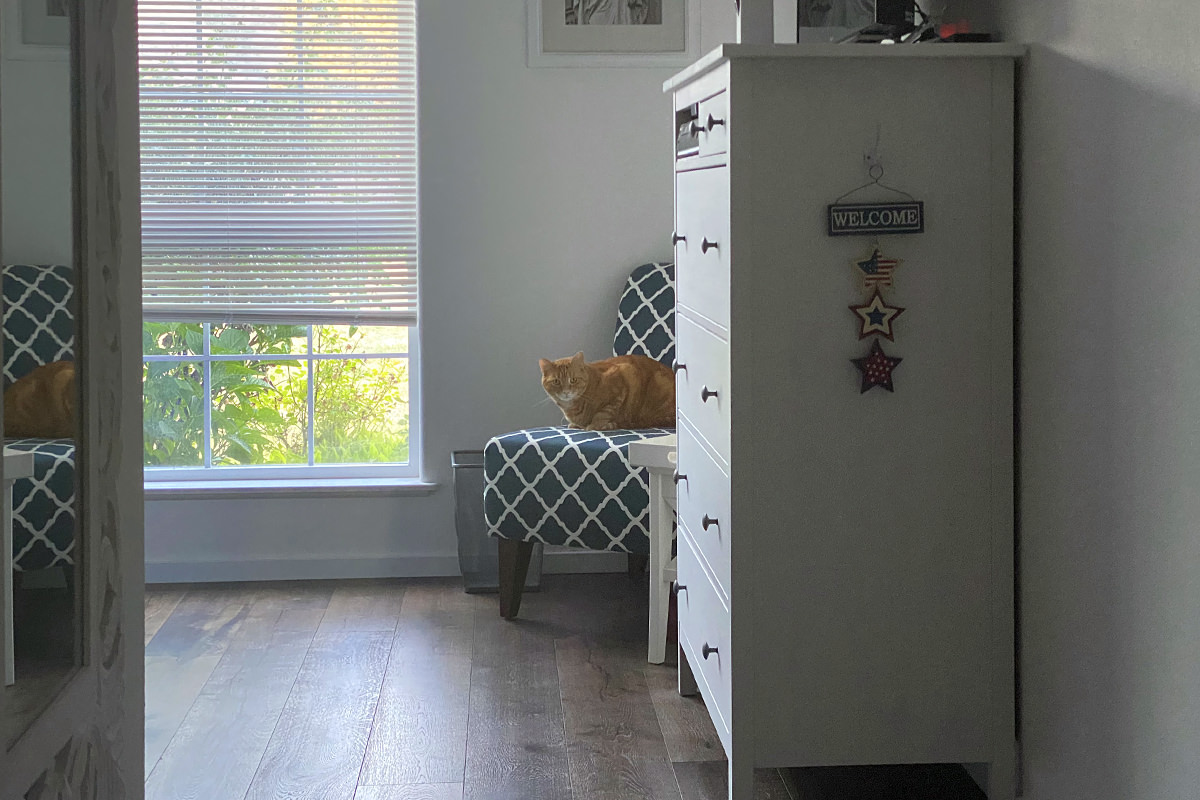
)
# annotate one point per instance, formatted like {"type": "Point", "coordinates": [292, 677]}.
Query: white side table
{"type": "Point", "coordinates": [658, 455]}
{"type": "Point", "coordinates": [16, 465]}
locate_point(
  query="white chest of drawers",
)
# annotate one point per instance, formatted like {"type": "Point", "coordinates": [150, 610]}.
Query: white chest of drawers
{"type": "Point", "coordinates": [846, 558]}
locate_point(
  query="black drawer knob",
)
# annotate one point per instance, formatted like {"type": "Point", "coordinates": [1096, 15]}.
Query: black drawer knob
{"type": "Point", "coordinates": [676, 239]}
{"type": "Point", "coordinates": [677, 587]}
{"type": "Point", "coordinates": [697, 128]}
{"type": "Point", "coordinates": [677, 477]}
{"type": "Point", "coordinates": [708, 522]}
{"type": "Point", "coordinates": [713, 122]}
{"type": "Point", "coordinates": [706, 393]}
{"type": "Point", "coordinates": [707, 651]}
{"type": "Point", "coordinates": [706, 245]}
{"type": "Point", "coordinates": [676, 367]}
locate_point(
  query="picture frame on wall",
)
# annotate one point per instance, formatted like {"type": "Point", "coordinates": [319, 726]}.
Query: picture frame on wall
{"type": "Point", "coordinates": [612, 33]}
{"type": "Point", "coordinates": [37, 29]}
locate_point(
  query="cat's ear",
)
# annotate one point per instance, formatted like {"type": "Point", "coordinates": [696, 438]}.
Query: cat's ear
{"type": "Point", "coordinates": [544, 364]}
{"type": "Point", "coordinates": [577, 358]}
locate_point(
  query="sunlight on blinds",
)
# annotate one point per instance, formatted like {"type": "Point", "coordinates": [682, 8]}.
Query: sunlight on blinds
{"type": "Point", "coordinates": [279, 160]}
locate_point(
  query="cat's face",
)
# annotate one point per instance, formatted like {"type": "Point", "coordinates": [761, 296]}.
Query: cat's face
{"type": "Point", "coordinates": [565, 379]}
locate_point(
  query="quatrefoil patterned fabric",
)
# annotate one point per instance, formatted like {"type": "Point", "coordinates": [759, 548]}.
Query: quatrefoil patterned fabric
{"type": "Point", "coordinates": [39, 327]}
{"type": "Point", "coordinates": [569, 487]}
{"type": "Point", "coordinates": [646, 314]}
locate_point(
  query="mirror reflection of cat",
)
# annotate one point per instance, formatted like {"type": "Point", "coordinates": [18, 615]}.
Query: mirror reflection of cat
{"type": "Point", "coordinates": [41, 404]}
{"type": "Point", "coordinates": [619, 393]}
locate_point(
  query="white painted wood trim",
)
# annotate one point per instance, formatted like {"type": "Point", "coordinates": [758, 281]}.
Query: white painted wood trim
{"type": "Point", "coordinates": [731, 52]}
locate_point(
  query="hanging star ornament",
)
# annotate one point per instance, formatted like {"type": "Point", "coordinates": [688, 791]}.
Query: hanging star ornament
{"type": "Point", "coordinates": [876, 316]}
{"type": "Point", "coordinates": [876, 368]}
{"type": "Point", "coordinates": [876, 270]}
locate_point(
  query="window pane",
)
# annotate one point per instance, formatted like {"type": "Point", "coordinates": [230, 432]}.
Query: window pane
{"type": "Point", "coordinates": [361, 411]}
{"type": "Point", "coordinates": [173, 414]}
{"type": "Point", "coordinates": [360, 339]}
{"type": "Point", "coordinates": [259, 412]}
{"type": "Point", "coordinates": [275, 340]}
{"type": "Point", "coordinates": [172, 338]}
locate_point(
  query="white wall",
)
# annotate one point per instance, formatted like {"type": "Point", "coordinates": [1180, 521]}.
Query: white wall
{"type": "Point", "coordinates": [1110, 398]}
{"type": "Point", "coordinates": [35, 148]}
{"type": "Point", "coordinates": [541, 188]}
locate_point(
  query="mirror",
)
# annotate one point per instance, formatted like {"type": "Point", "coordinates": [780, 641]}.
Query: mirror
{"type": "Point", "coordinates": [41, 571]}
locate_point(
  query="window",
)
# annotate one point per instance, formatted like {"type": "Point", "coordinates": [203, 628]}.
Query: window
{"type": "Point", "coordinates": [279, 235]}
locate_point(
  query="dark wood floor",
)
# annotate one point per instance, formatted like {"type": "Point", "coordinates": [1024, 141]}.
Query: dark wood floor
{"type": "Point", "coordinates": [413, 690]}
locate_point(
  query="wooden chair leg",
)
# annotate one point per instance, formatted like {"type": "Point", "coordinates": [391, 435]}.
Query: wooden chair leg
{"type": "Point", "coordinates": [637, 564]}
{"type": "Point", "coordinates": [514, 566]}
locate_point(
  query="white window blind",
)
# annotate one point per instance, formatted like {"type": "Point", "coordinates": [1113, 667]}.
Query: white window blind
{"type": "Point", "coordinates": [279, 160]}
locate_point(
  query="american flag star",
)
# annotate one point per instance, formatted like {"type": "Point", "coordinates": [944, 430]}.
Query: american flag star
{"type": "Point", "coordinates": [877, 270]}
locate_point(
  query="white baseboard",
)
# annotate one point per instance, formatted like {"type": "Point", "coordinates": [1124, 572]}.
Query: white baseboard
{"type": "Point", "coordinates": [556, 561]}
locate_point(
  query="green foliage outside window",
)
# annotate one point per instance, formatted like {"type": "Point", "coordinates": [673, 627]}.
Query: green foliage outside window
{"type": "Point", "coordinates": [259, 406]}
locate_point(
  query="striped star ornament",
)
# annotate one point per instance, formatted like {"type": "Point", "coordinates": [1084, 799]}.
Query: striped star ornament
{"type": "Point", "coordinates": [877, 270]}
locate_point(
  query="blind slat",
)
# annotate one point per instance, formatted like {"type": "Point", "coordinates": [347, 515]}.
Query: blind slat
{"type": "Point", "coordinates": [279, 160]}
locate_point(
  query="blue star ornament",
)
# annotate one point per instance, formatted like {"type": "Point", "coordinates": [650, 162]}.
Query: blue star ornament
{"type": "Point", "coordinates": [876, 316]}
{"type": "Point", "coordinates": [876, 368]}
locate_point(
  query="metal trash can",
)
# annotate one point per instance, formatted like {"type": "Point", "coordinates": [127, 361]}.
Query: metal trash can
{"type": "Point", "coordinates": [476, 550]}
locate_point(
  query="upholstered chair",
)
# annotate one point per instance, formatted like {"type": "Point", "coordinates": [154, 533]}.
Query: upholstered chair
{"type": "Point", "coordinates": [561, 486]}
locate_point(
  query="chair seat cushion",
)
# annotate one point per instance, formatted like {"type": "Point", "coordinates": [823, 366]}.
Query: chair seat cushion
{"type": "Point", "coordinates": [44, 505]}
{"type": "Point", "coordinates": [568, 487]}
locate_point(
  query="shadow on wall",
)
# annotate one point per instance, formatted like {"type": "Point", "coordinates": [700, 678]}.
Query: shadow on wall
{"type": "Point", "coordinates": [1110, 444]}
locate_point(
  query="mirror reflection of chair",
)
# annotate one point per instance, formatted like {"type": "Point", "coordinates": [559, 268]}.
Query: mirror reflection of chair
{"type": "Point", "coordinates": [39, 328]}
{"type": "Point", "coordinates": [562, 486]}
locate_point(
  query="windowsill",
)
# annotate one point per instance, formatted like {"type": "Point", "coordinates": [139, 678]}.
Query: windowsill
{"type": "Point", "coordinates": [289, 487]}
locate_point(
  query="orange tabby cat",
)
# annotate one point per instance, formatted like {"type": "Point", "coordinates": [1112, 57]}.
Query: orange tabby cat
{"type": "Point", "coordinates": [42, 404]}
{"type": "Point", "coordinates": [620, 392]}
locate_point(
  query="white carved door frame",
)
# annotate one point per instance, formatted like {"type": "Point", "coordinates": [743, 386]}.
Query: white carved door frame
{"type": "Point", "coordinates": [88, 744]}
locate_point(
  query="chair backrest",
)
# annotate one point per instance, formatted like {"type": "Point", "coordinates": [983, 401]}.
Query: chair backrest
{"type": "Point", "coordinates": [39, 323]}
{"type": "Point", "coordinates": [646, 315]}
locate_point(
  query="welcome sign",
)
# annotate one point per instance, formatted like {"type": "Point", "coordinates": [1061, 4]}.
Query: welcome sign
{"type": "Point", "coordinates": [859, 219]}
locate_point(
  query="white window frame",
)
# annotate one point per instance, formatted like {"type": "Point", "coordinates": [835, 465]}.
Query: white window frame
{"type": "Point", "coordinates": [410, 471]}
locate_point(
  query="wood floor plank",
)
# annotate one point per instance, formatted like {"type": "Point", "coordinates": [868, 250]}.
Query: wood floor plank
{"type": "Point", "coordinates": [203, 622]}
{"type": "Point", "coordinates": [302, 603]}
{"type": "Point", "coordinates": [687, 729]}
{"type": "Point", "coordinates": [610, 777]}
{"type": "Point", "coordinates": [319, 741]}
{"type": "Point", "coordinates": [364, 606]}
{"type": "Point", "coordinates": [182, 655]}
{"type": "Point", "coordinates": [160, 603]}
{"type": "Point", "coordinates": [420, 730]}
{"type": "Point", "coordinates": [709, 780]}
{"type": "Point", "coordinates": [615, 748]}
{"type": "Point", "coordinates": [217, 748]}
{"type": "Point", "coordinates": [515, 737]}
{"type": "Point", "coordinates": [415, 791]}
{"type": "Point", "coordinates": [172, 685]}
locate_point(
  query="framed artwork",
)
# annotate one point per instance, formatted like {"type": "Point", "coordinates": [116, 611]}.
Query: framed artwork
{"type": "Point", "coordinates": [37, 29]}
{"type": "Point", "coordinates": [613, 33]}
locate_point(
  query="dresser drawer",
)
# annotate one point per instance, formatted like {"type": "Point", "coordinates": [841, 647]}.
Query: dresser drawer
{"type": "Point", "coordinates": [704, 620]}
{"type": "Point", "coordinates": [713, 120]}
{"type": "Point", "coordinates": [702, 493]}
{"type": "Point", "coordinates": [702, 256]}
{"type": "Point", "coordinates": [702, 382]}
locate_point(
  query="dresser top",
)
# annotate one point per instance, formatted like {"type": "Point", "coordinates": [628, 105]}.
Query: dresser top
{"type": "Point", "coordinates": [732, 52]}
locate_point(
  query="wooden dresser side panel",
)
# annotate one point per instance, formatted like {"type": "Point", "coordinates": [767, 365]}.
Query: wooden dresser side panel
{"type": "Point", "coordinates": [865, 551]}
